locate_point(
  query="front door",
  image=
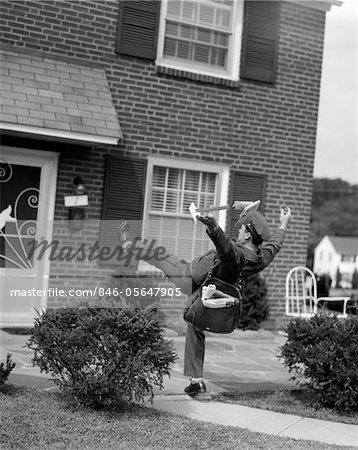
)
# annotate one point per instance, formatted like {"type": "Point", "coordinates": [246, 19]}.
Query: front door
{"type": "Point", "coordinates": [28, 189]}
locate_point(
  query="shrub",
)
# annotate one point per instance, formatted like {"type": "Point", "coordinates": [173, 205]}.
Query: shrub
{"type": "Point", "coordinates": [352, 305]}
{"type": "Point", "coordinates": [5, 369]}
{"type": "Point", "coordinates": [255, 304]}
{"type": "Point", "coordinates": [102, 356]}
{"type": "Point", "coordinates": [324, 350]}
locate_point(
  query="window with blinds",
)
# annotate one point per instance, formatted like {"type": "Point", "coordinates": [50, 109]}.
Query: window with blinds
{"type": "Point", "coordinates": [169, 220]}
{"type": "Point", "coordinates": [200, 34]}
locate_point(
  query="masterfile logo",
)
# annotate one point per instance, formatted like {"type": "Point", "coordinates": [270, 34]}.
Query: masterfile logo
{"type": "Point", "coordinates": [55, 251]}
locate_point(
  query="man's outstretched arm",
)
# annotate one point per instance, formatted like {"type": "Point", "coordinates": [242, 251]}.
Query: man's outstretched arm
{"type": "Point", "coordinates": [271, 247]}
{"type": "Point", "coordinates": [224, 245]}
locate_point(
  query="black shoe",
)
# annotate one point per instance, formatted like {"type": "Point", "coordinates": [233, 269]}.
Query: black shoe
{"type": "Point", "coordinates": [195, 388]}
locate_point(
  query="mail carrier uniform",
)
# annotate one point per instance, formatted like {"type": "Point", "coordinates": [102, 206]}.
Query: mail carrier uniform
{"type": "Point", "coordinates": [234, 260]}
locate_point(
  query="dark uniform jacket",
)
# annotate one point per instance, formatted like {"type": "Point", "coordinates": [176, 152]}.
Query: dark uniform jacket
{"type": "Point", "coordinates": [234, 259]}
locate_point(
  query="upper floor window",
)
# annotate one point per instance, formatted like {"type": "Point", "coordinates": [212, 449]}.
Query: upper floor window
{"type": "Point", "coordinates": [209, 39]}
{"type": "Point", "coordinates": [202, 36]}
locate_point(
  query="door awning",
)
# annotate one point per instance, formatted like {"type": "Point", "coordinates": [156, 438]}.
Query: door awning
{"type": "Point", "coordinates": [56, 99]}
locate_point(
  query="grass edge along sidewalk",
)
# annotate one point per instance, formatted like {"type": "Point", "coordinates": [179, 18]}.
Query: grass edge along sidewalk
{"type": "Point", "coordinates": [45, 420]}
{"type": "Point", "coordinates": [296, 401]}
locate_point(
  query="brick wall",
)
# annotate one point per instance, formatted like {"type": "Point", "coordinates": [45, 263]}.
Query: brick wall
{"type": "Point", "coordinates": [257, 128]}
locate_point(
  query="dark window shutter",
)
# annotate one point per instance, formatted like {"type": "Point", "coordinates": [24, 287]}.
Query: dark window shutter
{"type": "Point", "coordinates": [260, 40]}
{"type": "Point", "coordinates": [124, 192]}
{"type": "Point", "coordinates": [245, 187]}
{"type": "Point", "coordinates": [138, 28]}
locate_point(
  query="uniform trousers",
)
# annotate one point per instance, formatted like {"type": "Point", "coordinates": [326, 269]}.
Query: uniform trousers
{"type": "Point", "coordinates": [180, 273]}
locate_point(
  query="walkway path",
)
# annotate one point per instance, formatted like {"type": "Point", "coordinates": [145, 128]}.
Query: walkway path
{"type": "Point", "coordinates": [243, 360]}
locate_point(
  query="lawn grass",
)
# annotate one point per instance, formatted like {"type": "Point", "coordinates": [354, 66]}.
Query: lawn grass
{"type": "Point", "coordinates": [38, 420]}
{"type": "Point", "coordinates": [288, 401]}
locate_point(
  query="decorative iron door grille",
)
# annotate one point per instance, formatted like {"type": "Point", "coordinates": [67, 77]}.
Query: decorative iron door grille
{"type": "Point", "coordinates": [19, 189]}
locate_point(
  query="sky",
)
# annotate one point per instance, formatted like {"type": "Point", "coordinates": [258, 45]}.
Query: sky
{"type": "Point", "coordinates": [337, 133]}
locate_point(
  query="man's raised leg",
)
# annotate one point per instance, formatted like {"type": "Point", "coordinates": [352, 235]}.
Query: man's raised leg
{"type": "Point", "coordinates": [177, 270]}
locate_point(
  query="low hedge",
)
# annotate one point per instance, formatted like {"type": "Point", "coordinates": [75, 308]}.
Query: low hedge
{"type": "Point", "coordinates": [324, 351]}
{"type": "Point", "coordinates": [103, 355]}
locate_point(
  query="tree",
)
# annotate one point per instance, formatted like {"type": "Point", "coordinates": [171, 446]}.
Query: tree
{"type": "Point", "coordinates": [327, 189]}
{"type": "Point", "coordinates": [338, 277]}
{"type": "Point", "coordinates": [355, 279]}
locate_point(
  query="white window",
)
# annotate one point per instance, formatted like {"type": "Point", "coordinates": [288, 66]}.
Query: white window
{"type": "Point", "coordinates": [201, 36]}
{"type": "Point", "coordinates": [171, 186]}
{"type": "Point", "coordinates": [347, 258]}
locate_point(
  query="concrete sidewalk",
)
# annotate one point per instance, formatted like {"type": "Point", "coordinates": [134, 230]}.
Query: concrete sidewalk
{"type": "Point", "coordinates": [243, 360]}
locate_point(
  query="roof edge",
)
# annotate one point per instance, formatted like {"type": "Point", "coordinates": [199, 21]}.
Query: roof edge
{"type": "Point", "coordinates": [9, 48]}
{"type": "Point", "coordinates": [322, 5]}
{"type": "Point", "coordinates": [69, 136]}
{"type": "Point", "coordinates": [333, 241]}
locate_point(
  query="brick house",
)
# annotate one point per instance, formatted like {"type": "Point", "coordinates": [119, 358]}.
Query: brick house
{"type": "Point", "coordinates": [337, 254]}
{"type": "Point", "coordinates": [151, 105]}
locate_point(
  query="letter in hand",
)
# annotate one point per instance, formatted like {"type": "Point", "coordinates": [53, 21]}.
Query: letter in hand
{"type": "Point", "coordinates": [207, 219]}
{"type": "Point", "coordinates": [193, 211]}
{"type": "Point", "coordinates": [204, 216]}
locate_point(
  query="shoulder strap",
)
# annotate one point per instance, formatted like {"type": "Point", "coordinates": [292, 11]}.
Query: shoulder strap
{"type": "Point", "coordinates": [216, 262]}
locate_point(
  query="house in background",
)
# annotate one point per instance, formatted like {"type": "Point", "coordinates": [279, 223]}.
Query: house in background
{"type": "Point", "coordinates": [337, 254]}
{"type": "Point", "coordinates": [150, 105]}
